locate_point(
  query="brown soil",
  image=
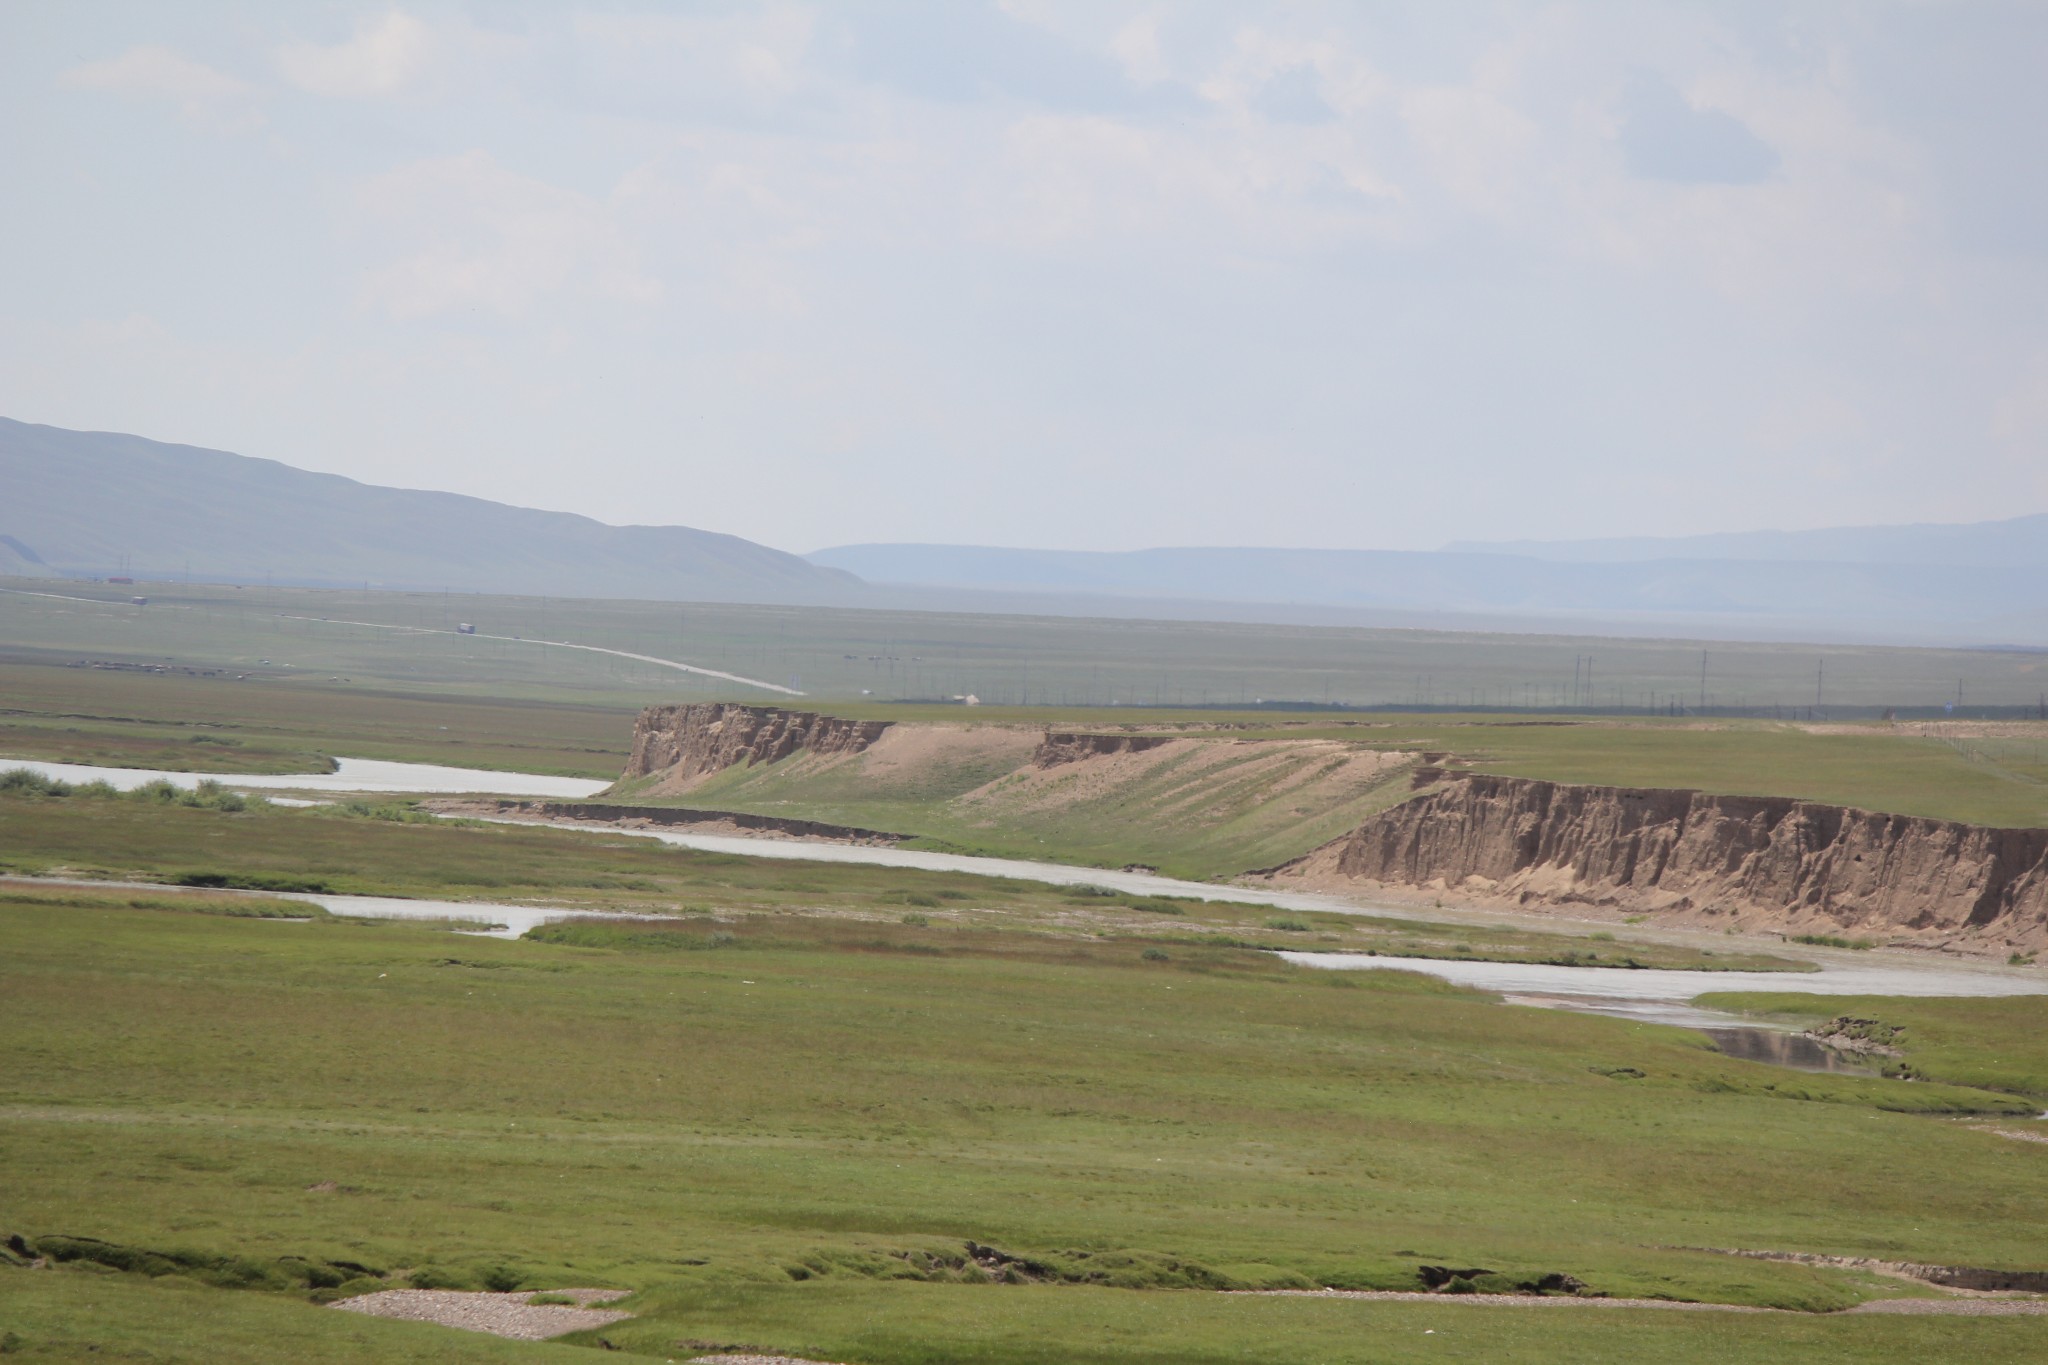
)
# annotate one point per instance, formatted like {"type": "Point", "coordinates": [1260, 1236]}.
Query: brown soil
{"type": "Point", "coordinates": [685, 744]}
{"type": "Point", "coordinates": [1756, 864]}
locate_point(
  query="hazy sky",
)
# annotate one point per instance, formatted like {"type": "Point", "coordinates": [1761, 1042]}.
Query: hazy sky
{"type": "Point", "coordinates": [1085, 275]}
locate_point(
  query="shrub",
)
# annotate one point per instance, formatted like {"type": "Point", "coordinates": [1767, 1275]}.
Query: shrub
{"type": "Point", "coordinates": [501, 1279]}
{"type": "Point", "coordinates": [1291, 926]}
{"type": "Point", "coordinates": [29, 782]}
{"type": "Point", "coordinates": [1155, 955]}
{"type": "Point", "coordinates": [254, 881]}
{"type": "Point", "coordinates": [917, 920]}
{"type": "Point", "coordinates": [396, 812]}
{"type": "Point", "coordinates": [1831, 941]}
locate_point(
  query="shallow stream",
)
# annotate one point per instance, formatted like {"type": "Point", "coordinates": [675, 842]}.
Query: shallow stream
{"type": "Point", "coordinates": [351, 777]}
{"type": "Point", "coordinates": [1651, 994]}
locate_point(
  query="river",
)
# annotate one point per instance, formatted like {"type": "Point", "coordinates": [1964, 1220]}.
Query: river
{"type": "Point", "coordinates": [1650, 994]}
{"type": "Point", "coordinates": [351, 777]}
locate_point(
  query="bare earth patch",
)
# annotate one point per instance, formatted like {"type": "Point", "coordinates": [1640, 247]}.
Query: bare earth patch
{"type": "Point", "coordinates": [502, 1315]}
{"type": "Point", "coordinates": [754, 1360]}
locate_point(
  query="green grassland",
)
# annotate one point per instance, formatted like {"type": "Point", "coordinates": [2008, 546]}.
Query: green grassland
{"type": "Point", "coordinates": [889, 656]}
{"type": "Point", "coordinates": [264, 724]}
{"type": "Point", "coordinates": [394, 850]}
{"type": "Point", "coordinates": [785, 1136]}
{"type": "Point", "coordinates": [83, 1317]}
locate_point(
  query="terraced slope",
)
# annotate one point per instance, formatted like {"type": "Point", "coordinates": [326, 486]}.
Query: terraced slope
{"type": "Point", "coordinates": [1200, 805]}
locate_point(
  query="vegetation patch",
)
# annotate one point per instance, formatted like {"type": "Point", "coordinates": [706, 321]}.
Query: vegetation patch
{"type": "Point", "coordinates": [227, 1271]}
{"type": "Point", "coordinates": [1833, 941]}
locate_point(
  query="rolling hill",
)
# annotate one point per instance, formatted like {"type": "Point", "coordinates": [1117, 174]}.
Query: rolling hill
{"type": "Point", "coordinates": [95, 503]}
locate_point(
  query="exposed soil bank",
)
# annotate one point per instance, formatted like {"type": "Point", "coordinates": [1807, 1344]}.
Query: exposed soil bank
{"type": "Point", "coordinates": [1757, 863]}
{"type": "Point", "coordinates": [690, 741]}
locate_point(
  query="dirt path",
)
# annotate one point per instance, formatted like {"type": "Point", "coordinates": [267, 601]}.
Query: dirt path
{"type": "Point", "coordinates": [556, 644]}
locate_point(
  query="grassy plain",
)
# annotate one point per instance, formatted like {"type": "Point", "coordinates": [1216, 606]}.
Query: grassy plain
{"type": "Point", "coordinates": [281, 724]}
{"type": "Point", "coordinates": [394, 850]}
{"type": "Point", "coordinates": [1067, 663]}
{"type": "Point", "coordinates": [783, 1136]}
{"type": "Point", "coordinates": [69, 1316]}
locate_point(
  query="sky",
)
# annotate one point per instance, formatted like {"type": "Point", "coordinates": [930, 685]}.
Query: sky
{"type": "Point", "coordinates": [1089, 275]}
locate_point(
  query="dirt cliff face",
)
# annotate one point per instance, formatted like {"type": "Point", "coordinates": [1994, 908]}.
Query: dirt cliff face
{"type": "Point", "coordinates": [1763, 862]}
{"type": "Point", "coordinates": [693, 740]}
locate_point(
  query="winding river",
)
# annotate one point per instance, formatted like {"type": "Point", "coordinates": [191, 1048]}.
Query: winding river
{"type": "Point", "coordinates": [1649, 994]}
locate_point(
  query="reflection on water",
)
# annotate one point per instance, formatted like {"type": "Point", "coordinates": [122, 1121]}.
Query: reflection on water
{"type": "Point", "coordinates": [1795, 1050]}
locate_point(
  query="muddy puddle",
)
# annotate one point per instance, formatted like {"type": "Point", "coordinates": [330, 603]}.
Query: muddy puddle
{"type": "Point", "coordinates": [1795, 1050]}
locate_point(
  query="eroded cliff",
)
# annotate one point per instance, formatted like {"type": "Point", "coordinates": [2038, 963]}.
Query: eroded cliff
{"type": "Point", "coordinates": [1760, 862]}
{"type": "Point", "coordinates": [686, 742]}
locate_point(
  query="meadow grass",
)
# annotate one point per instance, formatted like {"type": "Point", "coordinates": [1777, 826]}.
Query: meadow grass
{"type": "Point", "coordinates": [1065, 664]}
{"type": "Point", "coordinates": [394, 849]}
{"type": "Point", "coordinates": [278, 724]}
{"type": "Point", "coordinates": [85, 1317]}
{"type": "Point", "coordinates": [783, 1136]}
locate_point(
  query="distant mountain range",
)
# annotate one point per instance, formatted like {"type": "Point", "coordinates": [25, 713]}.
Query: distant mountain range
{"type": "Point", "coordinates": [2018, 543]}
{"type": "Point", "coordinates": [1987, 588]}
{"type": "Point", "coordinates": [81, 503]}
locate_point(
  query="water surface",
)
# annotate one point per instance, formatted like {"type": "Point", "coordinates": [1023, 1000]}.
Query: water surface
{"type": "Point", "coordinates": [352, 776]}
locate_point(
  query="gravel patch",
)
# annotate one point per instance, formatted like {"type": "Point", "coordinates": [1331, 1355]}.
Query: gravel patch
{"type": "Point", "coordinates": [1962, 1308]}
{"type": "Point", "coordinates": [755, 1360]}
{"type": "Point", "coordinates": [502, 1315]}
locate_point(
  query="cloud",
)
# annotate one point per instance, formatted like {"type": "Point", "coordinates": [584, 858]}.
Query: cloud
{"type": "Point", "coordinates": [381, 60]}
{"type": "Point", "coordinates": [202, 94]}
{"type": "Point", "coordinates": [472, 235]}
{"type": "Point", "coordinates": [1665, 138]}
{"type": "Point", "coordinates": [715, 68]}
